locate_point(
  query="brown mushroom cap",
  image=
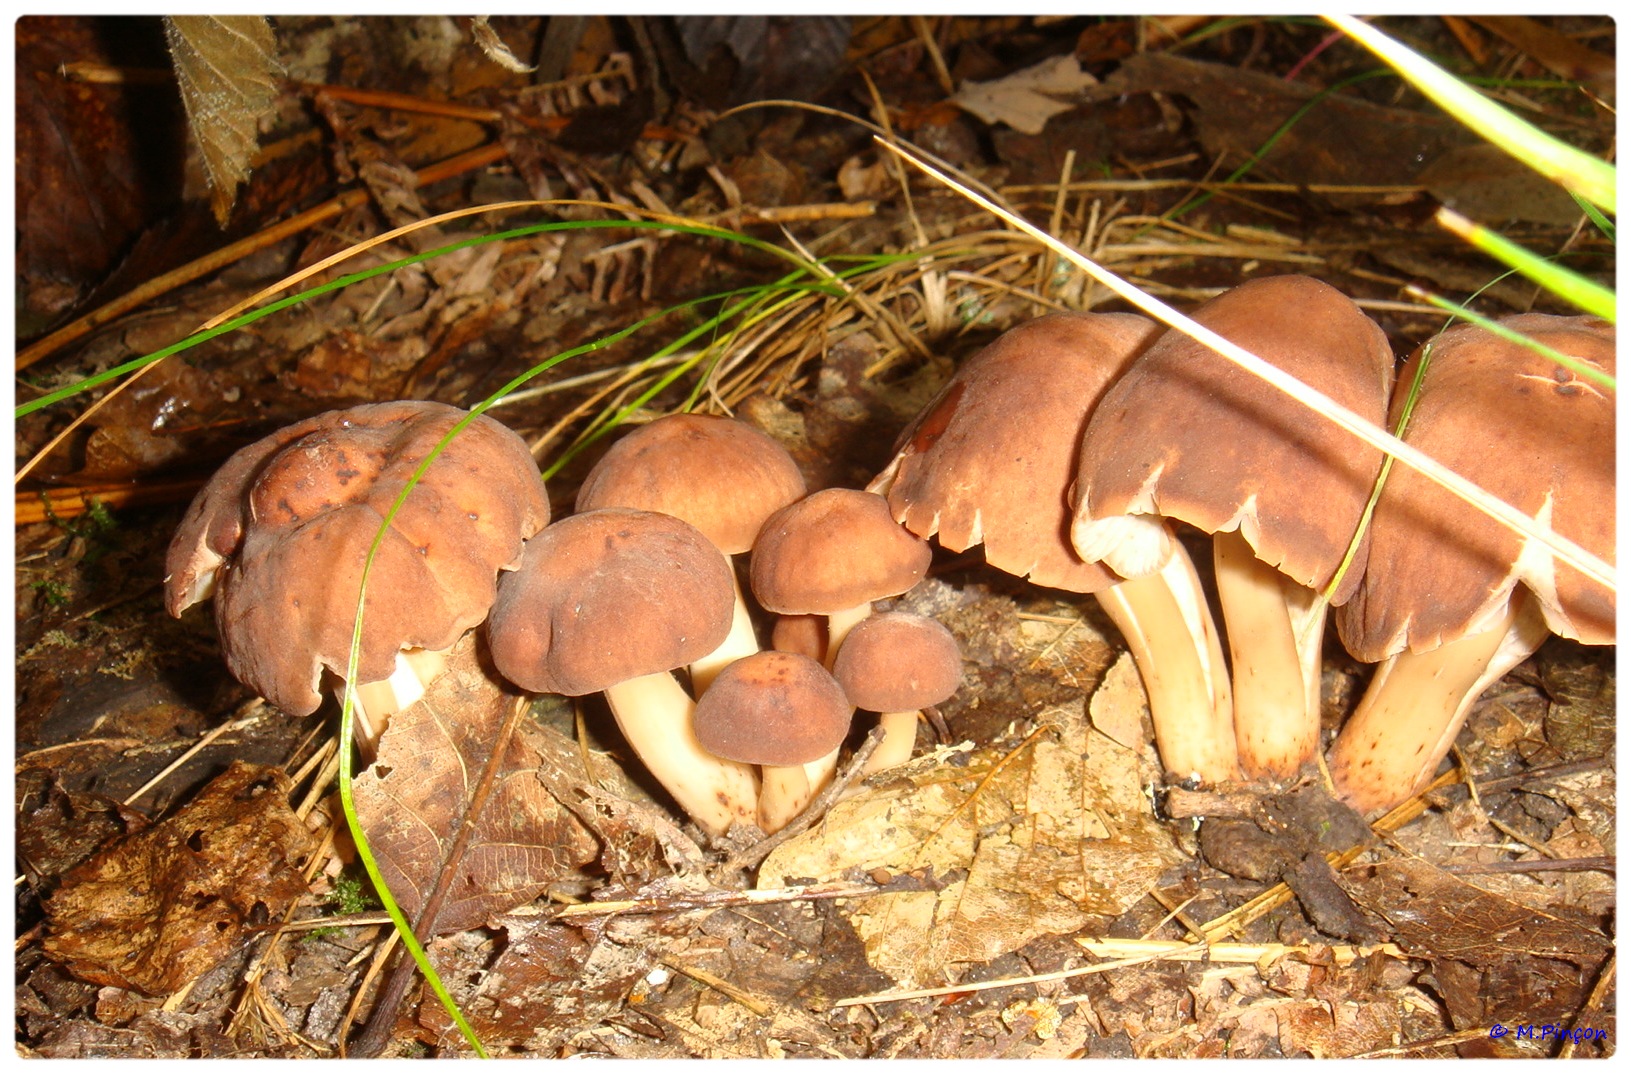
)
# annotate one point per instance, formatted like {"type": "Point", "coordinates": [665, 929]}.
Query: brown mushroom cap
{"type": "Point", "coordinates": [1525, 429]}
{"type": "Point", "coordinates": [991, 459]}
{"type": "Point", "coordinates": [721, 475]}
{"type": "Point", "coordinates": [1188, 435]}
{"type": "Point", "coordinates": [607, 596]}
{"type": "Point", "coordinates": [282, 532]}
{"type": "Point", "coordinates": [898, 662]}
{"type": "Point", "coordinates": [773, 708]}
{"type": "Point", "coordinates": [834, 550]}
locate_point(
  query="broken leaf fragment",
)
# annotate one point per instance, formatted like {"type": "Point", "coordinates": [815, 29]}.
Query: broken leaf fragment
{"type": "Point", "coordinates": [1027, 99]}
{"type": "Point", "coordinates": [1018, 841]}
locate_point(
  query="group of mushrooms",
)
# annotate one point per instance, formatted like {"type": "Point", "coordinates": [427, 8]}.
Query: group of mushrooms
{"type": "Point", "coordinates": [1070, 448]}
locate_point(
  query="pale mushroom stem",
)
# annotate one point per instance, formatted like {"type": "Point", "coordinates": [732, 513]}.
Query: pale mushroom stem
{"type": "Point", "coordinates": [1164, 618]}
{"type": "Point", "coordinates": [655, 714]}
{"type": "Point", "coordinates": [1275, 628]}
{"type": "Point", "coordinates": [783, 794]}
{"type": "Point", "coordinates": [1415, 706]}
{"type": "Point", "coordinates": [839, 624]}
{"type": "Point", "coordinates": [740, 642]}
{"type": "Point", "coordinates": [899, 736]}
{"type": "Point", "coordinates": [376, 702]}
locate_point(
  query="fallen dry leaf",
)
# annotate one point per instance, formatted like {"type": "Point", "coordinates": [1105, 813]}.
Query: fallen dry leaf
{"type": "Point", "coordinates": [158, 908]}
{"type": "Point", "coordinates": [228, 69]}
{"type": "Point", "coordinates": [1027, 99]}
{"type": "Point", "coordinates": [1025, 842]}
{"type": "Point", "coordinates": [417, 796]}
{"type": "Point", "coordinates": [1435, 914]}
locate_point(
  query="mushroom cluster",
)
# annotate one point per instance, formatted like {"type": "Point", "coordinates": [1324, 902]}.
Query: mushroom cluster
{"type": "Point", "coordinates": [634, 596]}
{"type": "Point", "coordinates": [1073, 445]}
{"type": "Point", "coordinates": [1074, 449]}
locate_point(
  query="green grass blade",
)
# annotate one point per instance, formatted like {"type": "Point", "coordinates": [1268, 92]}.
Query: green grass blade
{"type": "Point", "coordinates": [1576, 171]}
{"type": "Point", "coordinates": [24, 409]}
{"type": "Point", "coordinates": [1587, 294]}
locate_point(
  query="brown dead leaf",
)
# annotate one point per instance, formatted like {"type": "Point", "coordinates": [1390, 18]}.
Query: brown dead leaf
{"type": "Point", "coordinates": [1327, 1030]}
{"type": "Point", "coordinates": [160, 907]}
{"type": "Point", "coordinates": [227, 67]}
{"type": "Point", "coordinates": [80, 198]}
{"type": "Point", "coordinates": [1119, 707]}
{"type": "Point", "coordinates": [549, 982]}
{"type": "Point", "coordinates": [1028, 842]}
{"type": "Point", "coordinates": [417, 796]}
{"type": "Point", "coordinates": [1435, 914]}
{"type": "Point", "coordinates": [1343, 139]}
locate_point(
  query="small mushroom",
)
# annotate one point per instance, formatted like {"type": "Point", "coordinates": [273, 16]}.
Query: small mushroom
{"type": "Point", "coordinates": [783, 712]}
{"type": "Point", "coordinates": [280, 535]}
{"type": "Point", "coordinates": [990, 461]}
{"type": "Point", "coordinates": [897, 664]}
{"type": "Point", "coordinates": [613, 601]}
{"type": "Point", "coordinates": [721, 475]}
{"type": "Point", "coordinates": [1452, 600]}
{"type": "Point", "coordinates": [1187, 435]}
{"type": "Point", "coordinates": [833, 553]}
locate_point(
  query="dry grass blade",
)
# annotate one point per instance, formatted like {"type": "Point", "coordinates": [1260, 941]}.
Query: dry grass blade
{"type": "Point", "coordinates": [1498, 509]}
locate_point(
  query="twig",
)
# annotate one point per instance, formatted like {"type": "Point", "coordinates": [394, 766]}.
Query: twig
{"type": "Point", "coordinates": [817, 809]}
{"type": "Point", "coordinates": [754, 1003]}
{"type": "Point", "coordinates": [38, 505]}
{"type": "Point", "coordinates": [714, 900]}
{"type": "Point", "coordinates": [1602, 864]}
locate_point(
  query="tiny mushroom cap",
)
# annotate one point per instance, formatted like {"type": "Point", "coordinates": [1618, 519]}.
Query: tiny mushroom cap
{"type": "Point", "coordinates": [896, 664]}
{"type": "Point", "coordinates": [723, 476]}
{"type": "Point", "coordinates": [281, 533]}
{"type": "Point", "coordinates": [1452, 600]}
{"type": "Point", "coordinates": [1188, 435]}
{"type": "Point", "coordinates": [774, 709]}
{"type": "Point", "coordinates": [608, 596]}
{"type": "Point", "coordinates": [833, 551]}
{"type": "Point", "coordinates": [899, 662]}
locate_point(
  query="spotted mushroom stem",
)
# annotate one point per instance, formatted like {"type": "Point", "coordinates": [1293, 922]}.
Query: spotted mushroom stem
{"type": "Point", "coordinates": [654, 712]}
{"type": "Point", "coordinates": [899, 737]}
{"type": "Point", "coordinates": [1164, 619]}
{"type": "Point", "coordinates": [1416, 703]}
{"type": "Point", "coordinates": [1275, 628]}
{"type": "Point", "coordinates": [377, 702]}
{"type": "Point", "coordinates": [740, 642]}
{"type": "Point", "coordinates": [785, 792]}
